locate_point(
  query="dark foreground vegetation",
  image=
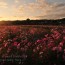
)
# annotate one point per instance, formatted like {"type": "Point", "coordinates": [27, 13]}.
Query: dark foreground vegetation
{"type": "Point", "coordinates": [34, 22]}
{"type": "Point", "coordinates": [32, 42]}
{"type": "Point", "coordinates": [32, 45]}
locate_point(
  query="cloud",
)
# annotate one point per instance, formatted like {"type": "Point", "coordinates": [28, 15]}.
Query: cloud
{"type": "Point", "coordinates": [1, 17]}
{"type": "Point", "coordinates": [57, 11]}
{"type": "Point", "coordinates": [53, 11]}
{"type": "Point", "coordinates": [51, 16]}
{"type": "Point", "coordinates": [37, 7]}
{"type": "Point", "coordinates": [41, 9]}
{"type": "Point", "coordinates": [58, 5]}
{"type": "Point", "coordinates": [17, 1]}
{"type": "Point", "coordinates": [3, 4]}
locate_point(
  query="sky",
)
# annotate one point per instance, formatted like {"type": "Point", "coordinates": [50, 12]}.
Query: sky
{"type": "Point", "coordinates": [33, 9]}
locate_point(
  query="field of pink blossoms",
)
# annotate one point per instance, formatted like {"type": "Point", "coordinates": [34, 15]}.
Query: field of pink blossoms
{"type": "Point", "coordinates": [32, 45]}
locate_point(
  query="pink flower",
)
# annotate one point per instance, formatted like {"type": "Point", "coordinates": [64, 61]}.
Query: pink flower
{"type": "Point", "coordinates": [64, 51]}
{"type": "Point", "coordinates": [0, 48]}
{"type": "Point", "coordinates": [61, 44]}
{"type": "Point", "coordinates": [40, 53]}
{"type": "Point", "coordinates": [38, 41]}
{"type": "Point", "coordinates": [60, 49]}
{"type": "Point", "coordinates": [64, 38]}
{"type": "Point", "coordinates": [34, 50]}
{"type": "Point", "coordinates": [50, 45]}
{"type": "Point", "coordinates": [63, 30]}
{"type": "Point", "coordinates": [44, 39]}
{"type": "Point", "coordinates": [37, 48]}
{"type": "Point", "coordinates": [9, 49]}
{"type": "Point", "coordinates": [54, 48]}
{"type": "Point", "coordinates": [15, 43]}
{"type": "Point", "coordinates": [5, 44]}
{"type": "Point", "coordinates": [63, 56]}
{"type": "Point", "coordinates": [29, 43]}
{"type": "Point", "coordinates": [33, 30]}
{"type": "Point", "coordinates": [14, 39]}
{"type": "Point", "coordinates": [18, 46]}
{"type": "Point", "coordinates": [46, 35]}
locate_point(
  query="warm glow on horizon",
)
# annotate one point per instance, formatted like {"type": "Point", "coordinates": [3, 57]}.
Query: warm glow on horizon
{"type": "Point", "coordinates": [32, 9]}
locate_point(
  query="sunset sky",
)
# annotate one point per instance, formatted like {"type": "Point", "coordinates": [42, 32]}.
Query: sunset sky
{"type": "Point", "coordinates": [33, 9]}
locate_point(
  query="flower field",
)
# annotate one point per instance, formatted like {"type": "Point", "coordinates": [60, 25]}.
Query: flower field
{"type": "Point", "coordinates": [32, 45]}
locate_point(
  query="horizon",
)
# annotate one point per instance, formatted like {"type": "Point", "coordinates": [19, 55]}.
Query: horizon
{"type": "Point", "coordinates": [32, 9]}
{"type": "Point", "coordinates": [32, 19]}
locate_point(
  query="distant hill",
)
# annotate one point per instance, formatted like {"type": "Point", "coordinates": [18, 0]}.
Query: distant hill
{"type": "Point", "coordinates": [34, 22]}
